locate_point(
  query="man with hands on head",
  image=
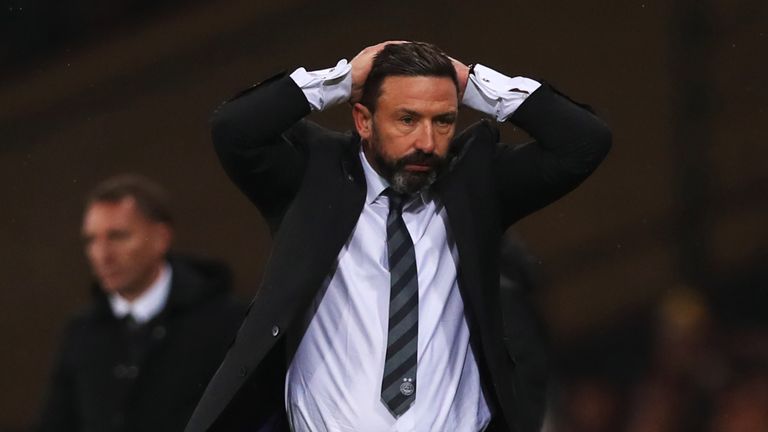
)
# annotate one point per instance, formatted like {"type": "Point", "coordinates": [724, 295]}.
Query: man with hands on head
{"type": "Point", "coordinates": [380, 309]}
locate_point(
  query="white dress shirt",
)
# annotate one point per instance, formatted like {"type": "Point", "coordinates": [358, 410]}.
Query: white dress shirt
{"type": "Point", "coordinates": [334, 380]}
{"type": "Point", "coordinates": [487, 91]}
{"type": "Point", "coordinates": [150, 303]}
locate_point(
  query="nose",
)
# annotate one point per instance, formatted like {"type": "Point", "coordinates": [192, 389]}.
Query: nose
{"type": "Point", "coordinates": [99, 253]}
{"type": "Point", "coordinates": [426, 138]}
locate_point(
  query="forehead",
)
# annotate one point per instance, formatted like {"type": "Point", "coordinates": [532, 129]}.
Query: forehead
{"type": "Point", "coordinates": [423, 92]}
{"type": "Point", "coordinates": [102, 215]}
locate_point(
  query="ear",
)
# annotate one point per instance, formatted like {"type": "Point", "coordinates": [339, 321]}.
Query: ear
{"type": "Point", "coordinates": [163, 237]}
{"type": "Point", "coordinates": [363, 118]}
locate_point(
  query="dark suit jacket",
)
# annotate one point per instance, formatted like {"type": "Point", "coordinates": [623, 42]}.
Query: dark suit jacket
{"type": "Point", "coordinates": [308, 183]}
{"type": "Point", "coordinates": [108, 378]}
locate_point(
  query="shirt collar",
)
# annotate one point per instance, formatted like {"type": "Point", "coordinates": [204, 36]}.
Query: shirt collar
{"type": "Point", "coordinates": [148, 304]}
{"type": "Point", "coordinates": [376, 184]}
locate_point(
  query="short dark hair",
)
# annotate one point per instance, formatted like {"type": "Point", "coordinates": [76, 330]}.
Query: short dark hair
{"type": "Point", "coordinates": [405, 59]}
{"type": "Point", "coordinates": [151, 198]}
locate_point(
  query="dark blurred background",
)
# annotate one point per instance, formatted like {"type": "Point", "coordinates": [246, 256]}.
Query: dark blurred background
{"type": "Point", "coordinates": [652, 275]}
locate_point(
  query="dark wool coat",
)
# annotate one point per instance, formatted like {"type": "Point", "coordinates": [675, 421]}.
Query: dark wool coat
{"type": "Point", "coordinates": [109, 378]}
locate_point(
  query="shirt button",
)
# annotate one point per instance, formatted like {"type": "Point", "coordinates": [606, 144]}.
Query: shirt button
{"type": "Point", "coordinates": [275, 331]}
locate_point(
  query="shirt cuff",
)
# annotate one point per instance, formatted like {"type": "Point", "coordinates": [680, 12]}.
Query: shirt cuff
{"type": "Point", "coordinates": [496, 94]}
{"type": "Point", "coordinates": [327, 87]}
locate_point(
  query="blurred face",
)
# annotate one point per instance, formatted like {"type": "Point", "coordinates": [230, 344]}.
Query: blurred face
{"type": "Point", "coordinates": [125, 249]}
{"type": "Point", "coordinates": [407, 138]}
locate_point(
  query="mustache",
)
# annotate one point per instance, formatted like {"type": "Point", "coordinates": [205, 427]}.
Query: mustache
{"type": "Point", "coordinates": [420, 158]}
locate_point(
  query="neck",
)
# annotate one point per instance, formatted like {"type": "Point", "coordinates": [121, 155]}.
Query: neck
{"type": "Point", "coordinates": [131, 294]}
{"type": "Point", "coordinates": [368, 153]}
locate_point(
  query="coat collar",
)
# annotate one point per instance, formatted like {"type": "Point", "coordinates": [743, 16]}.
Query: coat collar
{"type": "Point", "coordinates": [150, 303]}
{"type": "Point", "coordinates": [194, 280]}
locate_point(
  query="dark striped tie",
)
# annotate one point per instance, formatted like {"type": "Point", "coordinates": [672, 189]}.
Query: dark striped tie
{"type": "Point", "coordinates": [398, 388]}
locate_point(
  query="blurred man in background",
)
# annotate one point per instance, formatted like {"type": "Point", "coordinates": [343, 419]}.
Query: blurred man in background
{"type": "Point", "coordinates": [138, 358]}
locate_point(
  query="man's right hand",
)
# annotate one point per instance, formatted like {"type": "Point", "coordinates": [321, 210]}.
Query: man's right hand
{"type": "Point", "coordinates": [361, 67]}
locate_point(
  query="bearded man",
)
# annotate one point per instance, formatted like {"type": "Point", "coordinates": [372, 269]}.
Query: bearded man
{"type": "Point", "coordinates": [381, 309]}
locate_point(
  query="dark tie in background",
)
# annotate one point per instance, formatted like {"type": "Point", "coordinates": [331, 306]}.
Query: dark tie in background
{"type": "Point", "coordinates": [398, 388]}
{"type": "Point", "coordinates": [130, 323]}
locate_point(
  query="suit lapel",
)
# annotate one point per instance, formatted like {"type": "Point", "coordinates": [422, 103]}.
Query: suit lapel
{"type": "Point", "coordinates": [313, 232]}
{"type": "Point", "coordinates": [460, 221]}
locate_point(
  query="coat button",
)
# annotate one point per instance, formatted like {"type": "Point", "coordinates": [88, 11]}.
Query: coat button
{"type": "Point", "coordinates": [275, 331]}
{"type": "Point", "coordinates": [119, 371]}
{"type": "Point", "coordinates": [133, 372]}
{"type": "Point", "coordinates": [123, 371]}
{"type": "Point", "coordinates": [159, 332]}
{"type": "Point", "coordinates": [243, 371]}
{"type": "Point", "coordinates": [350, 178]}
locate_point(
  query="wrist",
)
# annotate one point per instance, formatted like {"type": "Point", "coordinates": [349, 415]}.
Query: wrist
{"type": "Point", "coordinates": [326, 87]}
{"type": "Point", "coordinates": [494, 93]}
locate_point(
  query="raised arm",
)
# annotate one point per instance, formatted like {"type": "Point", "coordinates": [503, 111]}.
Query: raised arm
{"type": "Point", "coordinates": [569, 141]}
{"type": "Point", "coordinates": [261, 139]}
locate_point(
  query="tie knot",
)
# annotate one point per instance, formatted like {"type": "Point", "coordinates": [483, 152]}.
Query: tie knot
{"type": "Point", "coordinates": [396, 199]}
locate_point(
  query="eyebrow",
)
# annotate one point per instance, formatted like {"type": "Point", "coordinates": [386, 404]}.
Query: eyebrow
{"type": "Point", "coordinates": [418, 114]}
{"type": "Point", "coordinates": [408, 111]}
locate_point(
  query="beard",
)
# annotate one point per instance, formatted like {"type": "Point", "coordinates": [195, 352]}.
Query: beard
{"type": "Point", "coordinates": [404, 181]}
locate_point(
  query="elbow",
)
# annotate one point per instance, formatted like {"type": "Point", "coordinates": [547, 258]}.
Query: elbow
{"type": "Point", "coordinates": [592, 149]}
{"type": "Point", "coordinates": [217, 120]}
{"type": "Point", "coordinates": [221, 127]}
{"type": "Point", "coordinates": [597, 140]}
{"type": "Point", "coordinates": [603, 140]}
